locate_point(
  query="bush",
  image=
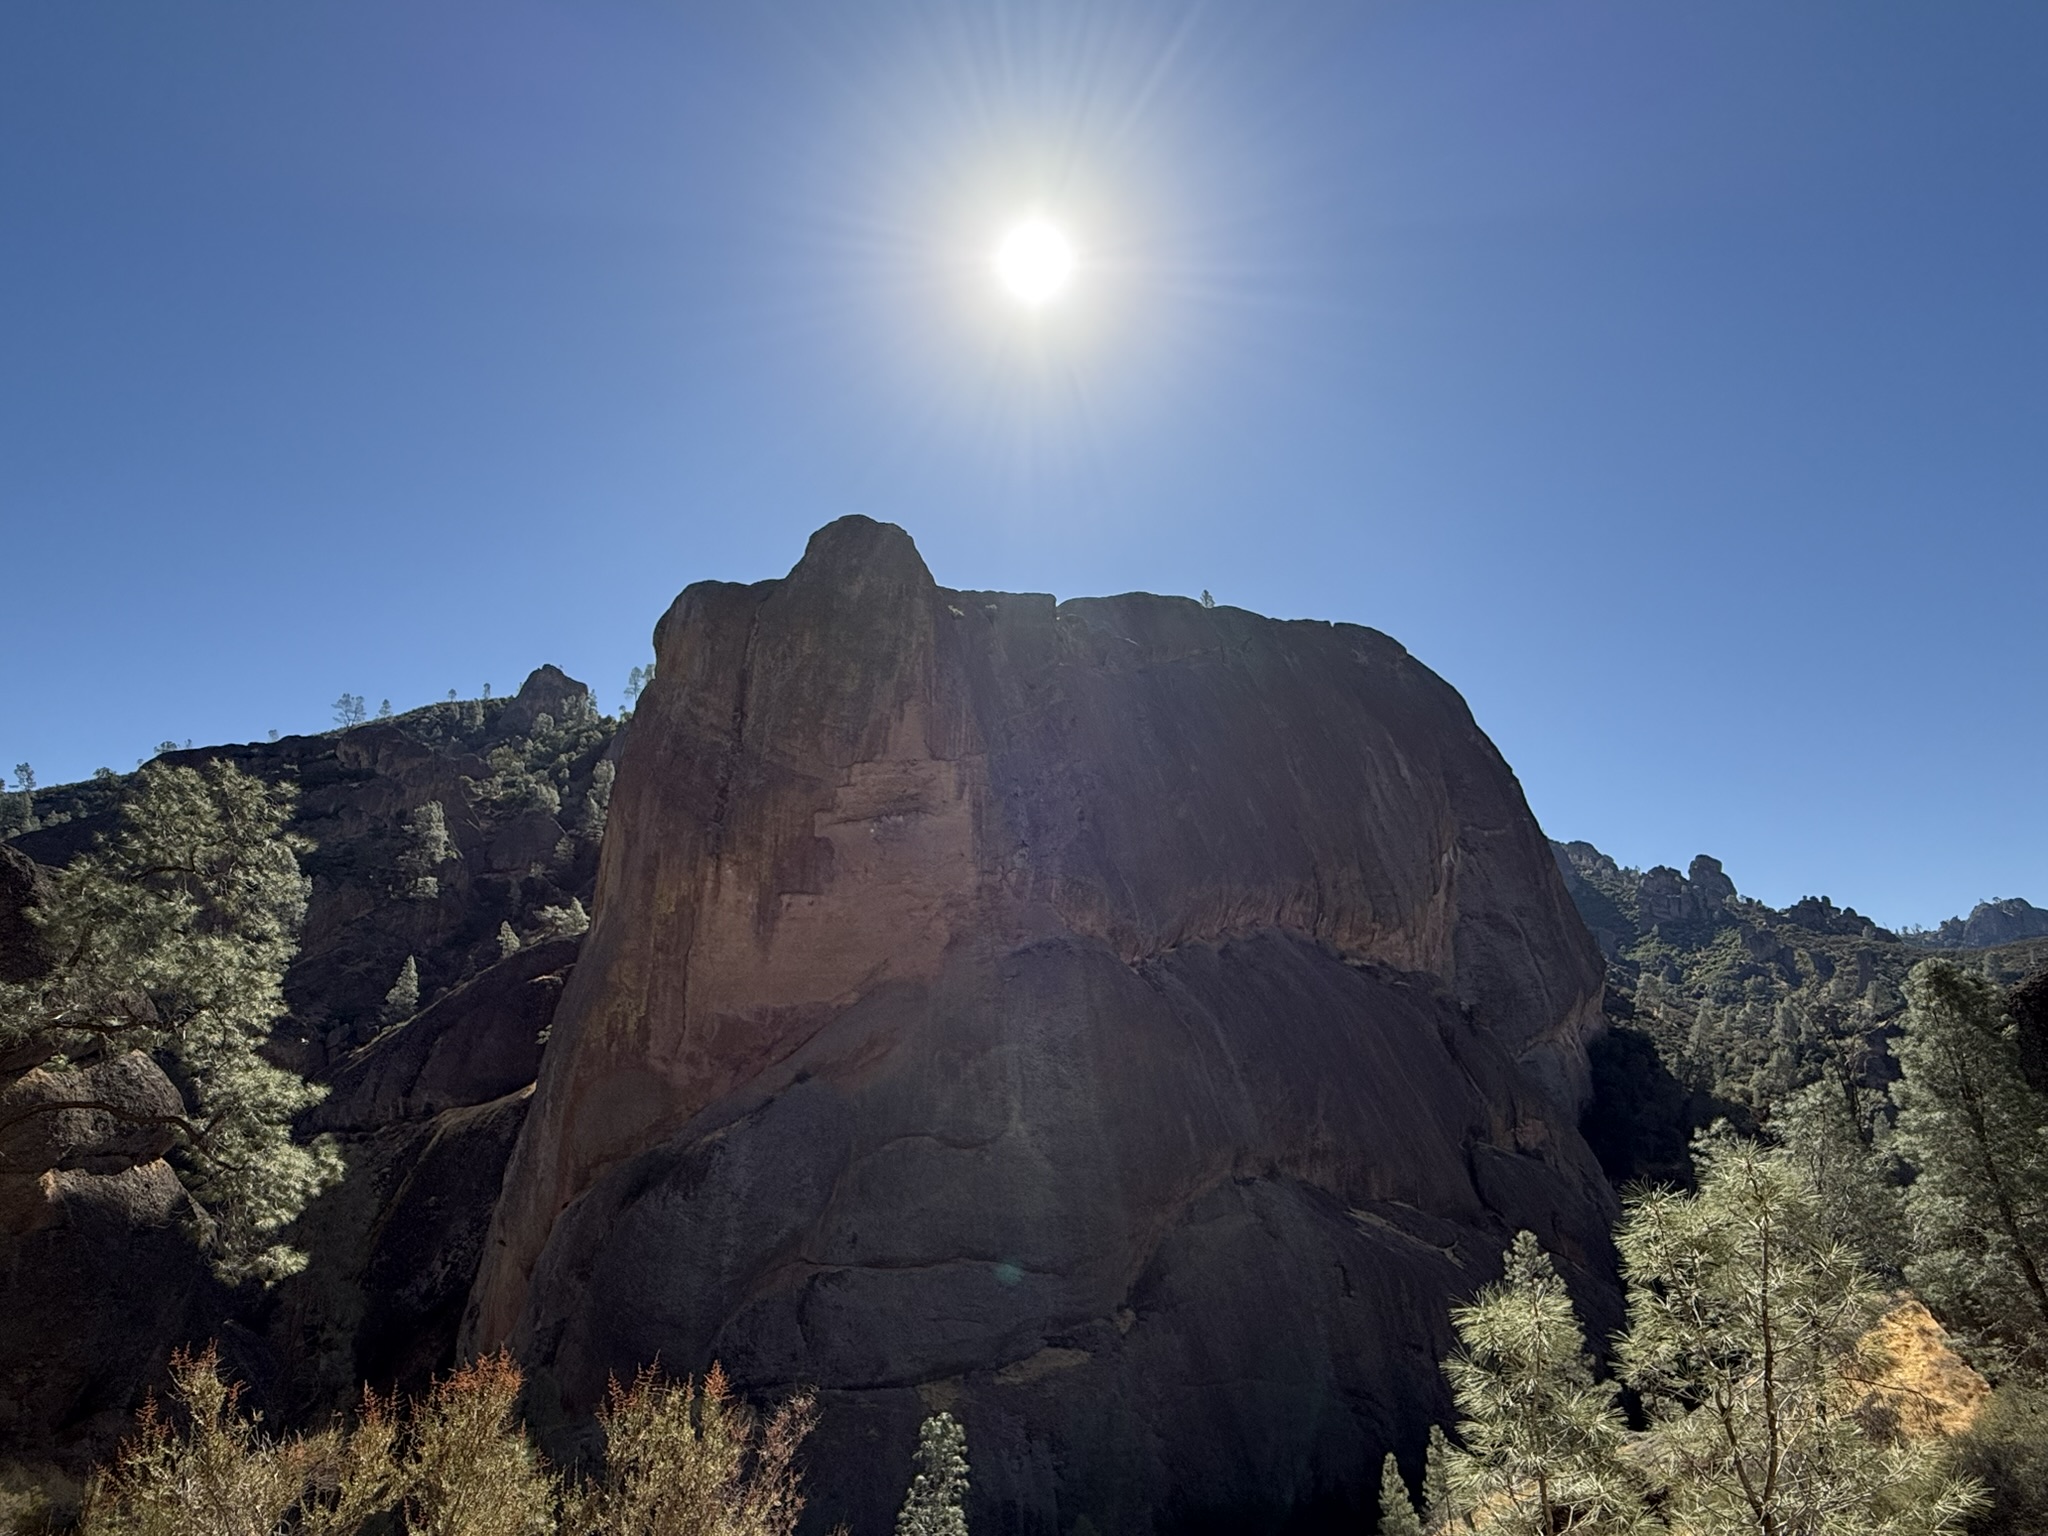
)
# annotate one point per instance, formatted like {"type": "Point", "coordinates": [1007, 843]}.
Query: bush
{"type": "Point", "coordinates": [680, 1460]}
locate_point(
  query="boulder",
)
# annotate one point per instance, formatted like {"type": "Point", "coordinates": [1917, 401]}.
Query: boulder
{"type": "Point", "coordinates": [24, 953]}
{"type": "Point", "coordinates": [126, 1115]}
{"type": "Point", "coordinates": [1125, 1023]}
{"type": "Point", "coordinates": [100, 1275]}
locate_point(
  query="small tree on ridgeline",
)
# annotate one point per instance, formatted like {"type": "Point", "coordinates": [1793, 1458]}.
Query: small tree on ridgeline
{"type": "Point", "coordinates": [25, 792]}
{"type": "Point", "coordinates": [1542, 1438]}
{"type": "Point", "coordinates": [349, 711]}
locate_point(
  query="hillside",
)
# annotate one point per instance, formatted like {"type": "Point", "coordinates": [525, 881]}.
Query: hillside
{"type": "Point", "coordinates": [1718, 1004]}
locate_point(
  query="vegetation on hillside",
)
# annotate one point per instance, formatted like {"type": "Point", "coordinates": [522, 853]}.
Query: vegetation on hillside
{"type": "Point", "coordinates": [165, 950]}
{"type": "Point", "coordinates": [1767, 1400]}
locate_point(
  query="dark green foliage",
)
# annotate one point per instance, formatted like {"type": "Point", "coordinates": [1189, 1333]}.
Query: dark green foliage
{"type": "Point", "coordinates": [173, 938]}
{"type": "Point", "coordinates": [1749, 1342]}
{"type": "Point", "coordinates": [2006, 1451]}
{"type": "Point", "coordinates": [1742, 1004]}
{"type": "Point", "coordinates": [1977, 1137]}
{"type": "Point", "coordinates": [428, 848]}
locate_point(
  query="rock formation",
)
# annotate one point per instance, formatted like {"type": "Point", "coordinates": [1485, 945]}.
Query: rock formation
{"type": "Point", "coordinates": [102, 1270]}
{"type": "Point", "coordinates": [1125, 1023]}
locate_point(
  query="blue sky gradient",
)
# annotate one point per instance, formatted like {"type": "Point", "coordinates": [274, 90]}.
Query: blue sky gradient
{"type": "Point", "coordinates": [1672, 379]}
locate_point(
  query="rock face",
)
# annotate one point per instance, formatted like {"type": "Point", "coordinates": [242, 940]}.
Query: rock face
{"type": "Point", "coordinates": [99, 1269]}
{"type": "Point", "coordinates": [24, 953]}
{"type": "Point", "coordinates": [479, 1043]}
{"type": "Point", "coordinates": [1124, 1023]}
{"type": "Point", "coordinates": [102, 1271]}
{"type": "Point", "coordinates": [2007, 921]}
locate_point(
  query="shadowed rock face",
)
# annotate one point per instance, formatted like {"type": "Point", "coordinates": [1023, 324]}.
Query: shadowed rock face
{"type": "Point", "coordinates": [1125, 1023]}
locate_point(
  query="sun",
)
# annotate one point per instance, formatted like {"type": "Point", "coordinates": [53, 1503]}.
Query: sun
{"type": "Point", "coordinates": [1035, 262]}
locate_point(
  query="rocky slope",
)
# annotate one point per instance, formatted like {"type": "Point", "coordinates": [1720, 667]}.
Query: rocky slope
{"type": "Point", "coordinates": [101, 1274]}
{"type": "Point", "coordinates": [1124, 1023]}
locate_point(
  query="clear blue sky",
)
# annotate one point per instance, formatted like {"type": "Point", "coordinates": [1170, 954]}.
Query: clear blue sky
{"type": "Point", "coordinates": [1672, 378]}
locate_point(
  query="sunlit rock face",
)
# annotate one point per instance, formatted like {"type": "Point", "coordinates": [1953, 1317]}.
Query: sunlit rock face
{"type": "Point", "coordinates": [1124, 1023]}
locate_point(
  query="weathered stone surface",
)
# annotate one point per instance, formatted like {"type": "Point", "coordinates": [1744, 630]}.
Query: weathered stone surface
{"type": "Point", "coordinates": [24, 954]}
{"type": "Point", "coordinates": [478, 1043]}
{"type": "Point", "coordinates": [126, 1108]}
{"type": "Point", "coordinates": [1124, 1022]}
{"type": "Point", "coordinates": [2027, 1005]}
{"type": "Point", "coordinates": [393, 1251]}
{"type": "Point", "coordinates": [2006, 921]}
{"type": "Point", "coordinates": [99, 1274]}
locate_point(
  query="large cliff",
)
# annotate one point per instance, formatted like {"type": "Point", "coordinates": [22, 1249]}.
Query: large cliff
{"type": "Point", "coordinates": [1123, 1022]}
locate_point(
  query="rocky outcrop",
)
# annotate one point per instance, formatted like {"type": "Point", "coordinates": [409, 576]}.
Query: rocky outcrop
{"type": "Point", "coordinates": [100, 1259]}
{"type": "Point", "coordinates": [101, 1266]}
{"type": "Point", "coordinates": [478, 1043]}
{"type": "Point", "coordinates": [393, 1251]}
{"type": "Point", "coordinates": [2009, 920]}
{"type": "Point", "coordinates": [1123, 1022]}
{"type": "Point", "coordinates": [24, 953]}
{"type": "Point", "coordinates": [512, 789]}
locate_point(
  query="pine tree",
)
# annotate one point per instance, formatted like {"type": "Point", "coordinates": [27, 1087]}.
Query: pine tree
{"type": "Point", "coordinates": [1977, 1137]}
{"type": "Point", "coordinates": [562, 922]}
{"type": "Point", "coordinates": [349, 710]}
{"type": "Point", "coordinates": [1749, 1341]}
{"type": "Point", "coordinates": [175, 934]}
{"type": "Point", "coordinates": [1828, 1129]}
{"type": "Point", "coordinates": [936, 1504]}
{"type": "Point", "coordinates": [1542, 1438]}
{"type": "Point", "coordinates": [24, 819]}
{"type": "Point", "coordinates": [598, 802]}
{"type": "Point", "coordinates": [403, 1000]}
{"type": "Point", "coordinates": [508, 941]}
{"type": "Point", "coordinates": [1439, 1508]}
{"type": "Point", "coordinates": [1397, 1510]}
{"type": "Point", "coordinates": [428, 847]}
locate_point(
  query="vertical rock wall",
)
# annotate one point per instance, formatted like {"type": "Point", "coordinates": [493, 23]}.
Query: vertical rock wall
{"type": "Point", "coordinates": [1123, 1022]}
